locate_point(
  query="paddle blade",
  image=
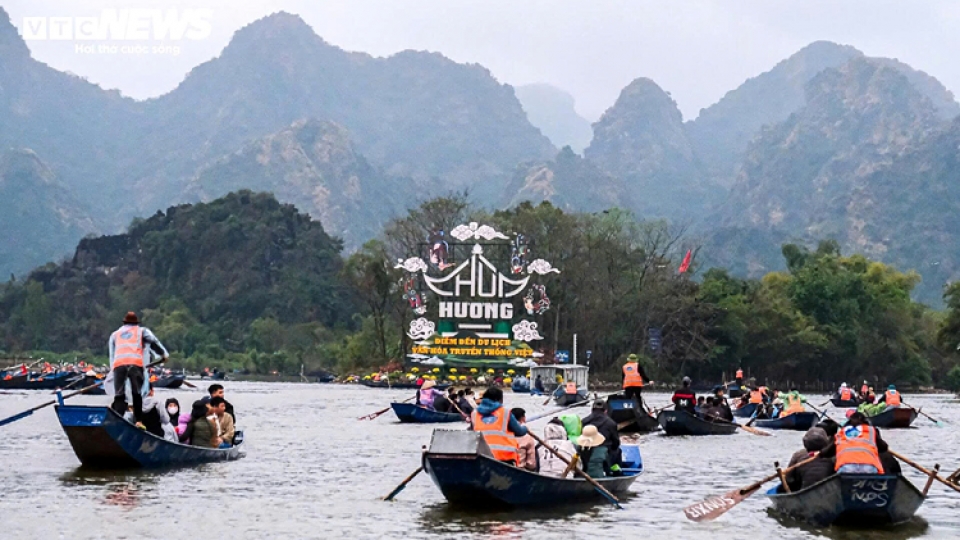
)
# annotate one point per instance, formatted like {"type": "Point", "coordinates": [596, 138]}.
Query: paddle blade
{"type": "Point", "coordinates": [15, 417]}
{"type": "Point", "coordinates": [714, 507]}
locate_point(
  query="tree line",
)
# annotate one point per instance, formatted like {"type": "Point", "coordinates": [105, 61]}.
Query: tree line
{"type": "Point", "coordinates": [247, 283]}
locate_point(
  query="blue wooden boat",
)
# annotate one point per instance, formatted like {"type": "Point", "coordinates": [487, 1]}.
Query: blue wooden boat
{"type": "Point", "coordinates": [103, 439]}
{"type": "Point", "coordinates": [461, 465]}
{"type": "Point", "coordinates": [856, 500]}
{"type": "Point", "coordinates": [898, 417]}
{"type": "Point", "coordinates": [844, 403]}
{"type": "Point", "coordinates": [746, 411]}
{"type": "Point", "coordinates": [415, 414]}
{"type": "Point", "coordinates": [797, 421]}
{"type": "Point", "coordinates": [48, 381]}
{"type": "Point", "coordinates": [563, 399]}
{"type": "Point", "coordinates": [629, 416]}
{"type": "Point", "coordinates": [520, 386]}
{"type": "Point", "coordinates": [684, 423]}
{"type": "Point", "coordinates": [170, 381]}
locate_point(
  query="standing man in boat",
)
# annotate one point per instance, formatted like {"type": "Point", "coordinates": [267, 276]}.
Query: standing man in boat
{"type": "Point", "coordinates": [130, 346]}
{"type": "Point", "coordinates": [633, 379]}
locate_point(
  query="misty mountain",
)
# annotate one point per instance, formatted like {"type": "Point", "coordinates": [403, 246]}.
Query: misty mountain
{"type": "Point", "coordinates": [837, 169]}
{"type": "Point", "coordinates": [313, 165]}
{"type": "Point", "coordinates": [641, 140]}
{"type": "Point", "coordinates": [38, 214]}
{"type": "Point", "coordinates": [569, 182]}
{"type": "Point", "coordinates": [722, 132]}
{"type": "Point", "coordinates": [552, 111]}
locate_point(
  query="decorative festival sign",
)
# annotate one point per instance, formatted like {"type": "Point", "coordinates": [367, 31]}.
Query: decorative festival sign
{"type": "Point", "coordinates": [483, 316]}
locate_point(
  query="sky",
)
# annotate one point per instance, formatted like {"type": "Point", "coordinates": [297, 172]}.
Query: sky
{"type": "Point", "coordinates": [695, 49]}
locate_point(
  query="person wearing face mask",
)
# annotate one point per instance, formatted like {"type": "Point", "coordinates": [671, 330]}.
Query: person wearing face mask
{"type": "Point", "coordinates": [155, 418]}
{"type": "Point", "coordinates": [173, 411]}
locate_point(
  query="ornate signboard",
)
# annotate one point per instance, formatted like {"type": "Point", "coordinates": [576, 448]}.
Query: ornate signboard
{"type": "Point", "coordinates": [477, 299]}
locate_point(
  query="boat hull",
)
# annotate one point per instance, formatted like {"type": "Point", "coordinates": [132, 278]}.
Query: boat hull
{"type": "Point", "coordinates": [901, 417]}
{"type": "Point", "coordinates": [797, 421]}
{"type": "Point", "coordinates": [409, 413]}
{"type": "Point", "coordinates": [746, 411]}
{"type": "Point", "coordinates": [844, 404]}
{"type": "Point", "coordinates": [171, 382]}
{"type": "Point", "coordinates": [852, 500]}
{"type": "Point", "coordinates": [684, 423]}
{"type": "Point", "coordinates": [102, 439]}
{"type": "Point", "coordinates": [48, 382]}
{"type": "Point", "coordinates": [401, 386]}
{"type": "Point", "coordinates": [481, 481]}
{"type": "Point", "coordinates": [564, 400]}
{"type": "Point", "coordinates": [622, 409]}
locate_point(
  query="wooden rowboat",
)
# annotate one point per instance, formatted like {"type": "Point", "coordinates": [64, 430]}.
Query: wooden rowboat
{"type": "Point", "coordinates": [746, 411]}
{"type": "Point", "coordinates": [859, 500]}
{"type": "Point", "coordinates": [900, 417]}
{"type": "Point", "coordinates": [170, 381]}
{"type": "Point", "coordinates": [797, 421]}
{"type": "Point", "coordinates": [102, 439]}
{"type": "Point", "coordinates": [684, 423]}
{"type": "Point", "coordinates": [844, 403]}
{"type": "Point", "coordinates": [401, 386]}
{"type": "Point", "coordinates": [628, 415]}
{"type": "Point", "coordinates": [49, 381]}
{"type": "Point", "coordinates": [461, 465]}
{"type": "Point", "coordinates": [415, 414]}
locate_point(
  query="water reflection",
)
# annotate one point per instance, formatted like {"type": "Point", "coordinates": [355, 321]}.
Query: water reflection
{"type": "Point", "coordinates": [914, 528]}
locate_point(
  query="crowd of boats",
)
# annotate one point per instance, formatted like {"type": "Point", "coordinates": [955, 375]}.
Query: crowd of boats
{"type": "Point", "coordinates": [465, 469]}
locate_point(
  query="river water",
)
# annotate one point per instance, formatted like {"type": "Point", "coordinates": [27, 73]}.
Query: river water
{"type": "Point", "coordinates": [312, 470]}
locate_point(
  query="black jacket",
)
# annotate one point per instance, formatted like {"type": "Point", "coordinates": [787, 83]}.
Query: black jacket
{"type": "Point", "coordinates": [607, 427]}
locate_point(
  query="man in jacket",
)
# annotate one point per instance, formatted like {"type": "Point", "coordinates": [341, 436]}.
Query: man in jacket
{"type": "Point", "coordinates": [226, 431]}
{"type": "Point", "coordinates": [608, 428]}
{"type": "Point", "coordinates": [684, 398]}
{"type": "Point", "coordinates": [498, 427]}
{"type": "Point", "coordinates": [633, 377]}
{"type": "Point", "coordinates": [130, 347]}
{"type": "Point", "coordinates": [216, 390]}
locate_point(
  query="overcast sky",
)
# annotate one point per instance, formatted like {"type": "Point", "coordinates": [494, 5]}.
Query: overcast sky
{"type": "Point", "coordinates": [696, 50]}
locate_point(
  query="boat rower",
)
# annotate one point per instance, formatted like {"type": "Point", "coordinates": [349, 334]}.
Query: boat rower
{"type": "Point", "coordinates": [498, 427]}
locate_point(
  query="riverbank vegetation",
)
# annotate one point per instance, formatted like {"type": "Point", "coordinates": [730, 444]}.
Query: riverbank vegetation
{"type": "Point", "coordinates": [245, 283]}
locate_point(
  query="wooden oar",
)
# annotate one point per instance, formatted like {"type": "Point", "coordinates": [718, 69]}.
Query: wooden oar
{"type": "Point", "coordinates": [371, 416]}
{"type": "Point", "coordinates": [920, 411]}
{"type": "Point", "coordinates": [823, 414]}
{"type": "Point", "coordinates": [189, 384]}
{"type": "Point", "coordinates": [748, 429]}
{"type": "Point", "coordinates": [929, 473]}
{"type": "Point", "coordinates": [714, 507]}
{"type": "Point", "coordinates": [596, 485]}
{"type": "Point", "coordinates": [403, 484]}
{"type": "Point", "coordinates": [71, 385]}
{"type": "Point", "coordinates": [28, 412]}
{"type": "Point", "coordinates": [824, 404]}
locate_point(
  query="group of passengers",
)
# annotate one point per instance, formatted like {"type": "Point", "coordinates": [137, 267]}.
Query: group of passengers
{"type": "Point", "coordinates": [856, 447]}
{"type": "Point", "coordinates": [454, 401]}
{"type": "Point", "coordinates": [209, 424]}
{"type": "Point", "coordinates": [597, 441]}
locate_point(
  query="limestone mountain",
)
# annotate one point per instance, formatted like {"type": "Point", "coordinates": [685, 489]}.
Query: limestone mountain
{"type": "Point", "coordinates": [413, 114]}
{"type": "Point", "coordinates": [552, 110]}
{"type": "Point", "coordinates": [721, 133]}
{"type": "Point", "coordinates": [38, 215]}
{"type": "Point", "coordinates": [313, 165]}
{"type": "Point", "coordinates": [642, 141]}
{"type": "Point", "coordinates": [569, 182]}
{"type": "Point", "coordinates": [821, 173]}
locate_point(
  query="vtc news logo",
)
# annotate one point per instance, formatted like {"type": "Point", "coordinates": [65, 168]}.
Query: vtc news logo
{"type": "Point", "coordinates": [122, 25]}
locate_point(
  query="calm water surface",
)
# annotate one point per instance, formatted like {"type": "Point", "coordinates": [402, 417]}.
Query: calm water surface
{"type": "Point", "coordinates": [313, 471]}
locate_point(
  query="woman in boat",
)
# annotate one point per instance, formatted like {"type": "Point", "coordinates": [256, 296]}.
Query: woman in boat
{"type": "Point", "coordinates": [173, 411]}
{"type": "Point", "coordinates": [592, 452]}
{"type": "Point", "coordinates": [427, 394]}
{"type": "Point", "coordinates": [555, 436]}
{"type": "Point", "coordinates": [200, 431]}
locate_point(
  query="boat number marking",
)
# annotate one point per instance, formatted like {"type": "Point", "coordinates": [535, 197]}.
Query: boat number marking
{"type": "Point", "coordinates": [870, 492]}
{"type": "Point", "coordinates": [95, 419]}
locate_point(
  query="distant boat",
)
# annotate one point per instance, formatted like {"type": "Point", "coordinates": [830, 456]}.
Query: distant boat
{"type": "Point", "coordinates": [461, 465]}
{"type": "Point", "coordinates": [48, 381]}
{"type": "Point", "coordinates": [171, 382]}
{"type": "Point", "coordinates": [629, 416]}
{"type": "Point", "coordinates": [797, 421]}
{"type": "Point", "coordinates": [684, 423]}
{"type": "Point", "coordinates": [746, 411]}
{"type": "Point", "coordinates": [857, 500]}
{"type": "Point", "coordinates": [415, 414]}
{"type": "Point", "coordinates": [844, 403]}
{"type": "Point", "coordinates": [402, 385]}
{"type": "Point", "coordinates": [103, 439]}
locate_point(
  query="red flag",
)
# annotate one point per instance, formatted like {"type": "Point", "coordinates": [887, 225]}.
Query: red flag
{"type": "Point", "coordinates": [685, 265]}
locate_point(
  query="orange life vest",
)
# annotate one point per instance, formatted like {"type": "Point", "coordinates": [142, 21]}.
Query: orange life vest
{"type": "Point", "coordinates": [153, 378]}
{"type": "Point", "coordinates": [794, 405]}
{"type": "Point", "coordinates": [739, 374]}
{"type": "Point", "coordinates": [756, 396]}
{"type": "Point", "coordinates": [857, 445]}
{"type": "Point", "coordinates": [570, 388]}
{"type": "Point", "coordinates": [7, 377]}
{"type": "Point", "coordinates": [892, 398]}
{"type": "Point", "coordinates": [502, 443]}
{"type": "Point", "coordinates": [631, 375]}
{"type": "Point", "coordinates": [128, 346]}
{"type": "Point", "coordinates": [846, 394]}
{"type": "Point", "coordinates": [864, 390]}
